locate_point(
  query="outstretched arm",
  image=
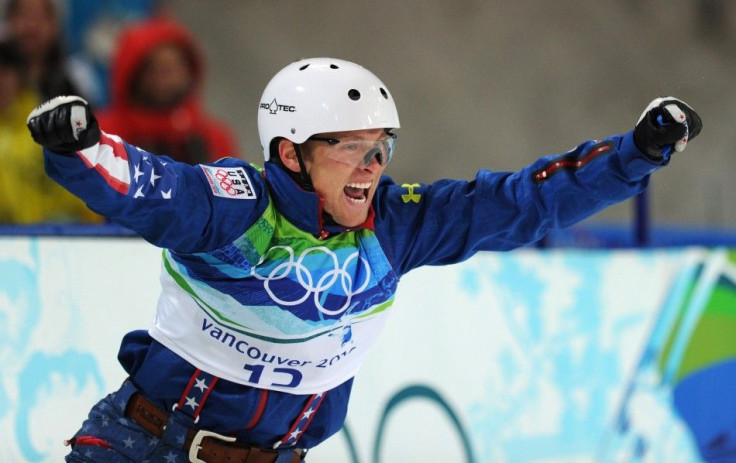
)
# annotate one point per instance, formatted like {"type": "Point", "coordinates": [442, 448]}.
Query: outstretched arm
{"type": "Point", "coordinates": [449, 220]}
{"type": "Point", "coordinates": [170, 204]}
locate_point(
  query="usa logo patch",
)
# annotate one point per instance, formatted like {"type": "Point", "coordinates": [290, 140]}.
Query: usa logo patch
{"type": "Point", "coordinates": [229, 182]}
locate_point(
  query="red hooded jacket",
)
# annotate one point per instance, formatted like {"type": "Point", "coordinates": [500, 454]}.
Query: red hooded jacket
{"type": "Point", "coordinates": [185, 132]}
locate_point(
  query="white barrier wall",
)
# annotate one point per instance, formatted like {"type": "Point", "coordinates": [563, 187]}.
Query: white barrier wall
{"type": "Point", "coordinates": [527, 356]}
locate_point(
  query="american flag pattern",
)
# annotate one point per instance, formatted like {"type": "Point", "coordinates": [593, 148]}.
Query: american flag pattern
{"type": "Point", "coordinates": [132, 171]}
{"type": "Point", "coordinates": [301, 423]}
{"type": "Point", "coordinates": [108, 435]}
{"type": "Point", "coordinates": [195, 394]}
{"type": "Point", "coordinates": [201, 384]}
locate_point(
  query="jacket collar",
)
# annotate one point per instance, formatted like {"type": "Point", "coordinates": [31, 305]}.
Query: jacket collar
{"type": "Point", "coordinates": [303, 208]}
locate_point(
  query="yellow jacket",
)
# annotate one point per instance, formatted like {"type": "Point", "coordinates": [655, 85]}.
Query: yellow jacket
{"type": "Point", "coordinates": [27, 195]}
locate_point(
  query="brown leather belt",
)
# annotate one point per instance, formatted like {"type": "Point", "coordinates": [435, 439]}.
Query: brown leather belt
{"type": "Point", "coordinates": [203, 446]}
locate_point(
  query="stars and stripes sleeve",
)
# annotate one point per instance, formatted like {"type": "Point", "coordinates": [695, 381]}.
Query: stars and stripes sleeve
{"type": "Point", "coordinates": [168, 203]}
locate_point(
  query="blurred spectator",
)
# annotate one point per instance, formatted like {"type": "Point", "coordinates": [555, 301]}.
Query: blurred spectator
{"type": "Point", "coordinates": [36, 26]}
{"type": "Point", "coordinates": [157, 75]}
{"type": "Point", "coordinates": [92, 28]}
{"type": "Point", "coordinates": [27, 195]}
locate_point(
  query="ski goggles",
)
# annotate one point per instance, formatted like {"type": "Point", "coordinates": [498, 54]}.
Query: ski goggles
{"type": "Point", "coordinates": [360, 153]}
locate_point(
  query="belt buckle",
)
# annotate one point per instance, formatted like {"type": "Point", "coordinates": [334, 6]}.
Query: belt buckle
{"type": "Point", "coordinates": [197, 441]}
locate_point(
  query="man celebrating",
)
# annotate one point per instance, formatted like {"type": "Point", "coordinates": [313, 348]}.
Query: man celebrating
{"type": "Point", "coordinates": [276, 281]}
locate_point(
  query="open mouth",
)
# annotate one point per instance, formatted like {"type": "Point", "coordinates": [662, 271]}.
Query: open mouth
{"type": "Point", "coordinates": [357, 192]}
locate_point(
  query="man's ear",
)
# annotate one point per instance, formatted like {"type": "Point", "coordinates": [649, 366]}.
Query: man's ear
{"type": "Point", "coordinates": [287, 154]}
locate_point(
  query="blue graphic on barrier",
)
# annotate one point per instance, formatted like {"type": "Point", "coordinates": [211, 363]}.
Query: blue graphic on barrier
{"type": "Point", "coordinates": [546, 367]}
{"type": "Point", "coordinates": [425, 393]}
{"type": "Point", "coordinates": [561, 384]}
{"type": "Point", "coordinates": [32, 373]}
{"type": "Point", "coordinates": [35, 381]}
{"type": "Point", "coordinates": [345, 431]}
{"type": "Point", "coordinates": [561, 365]}
{"type": "Point", "coordinates": [410, 393]}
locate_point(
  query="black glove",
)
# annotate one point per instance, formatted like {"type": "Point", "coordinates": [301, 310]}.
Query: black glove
{"type": "Point", "coordinates": [64, 124]}
{"type": "Point", "coordinates": [666, 125]}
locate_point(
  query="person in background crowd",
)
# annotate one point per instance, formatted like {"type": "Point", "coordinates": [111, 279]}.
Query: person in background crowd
{"type": "Point", "coordinates": [27, 195]}
{"type": "Point", "coordinates": [277, 281]}
{"type": "Point", "coordinates": [92, 28]}
{"type": "Point", "coordinates": [157, 75]}
{"type": "Point", "coordinates": [36, 26]}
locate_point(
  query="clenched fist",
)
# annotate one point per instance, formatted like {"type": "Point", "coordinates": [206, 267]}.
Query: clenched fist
{"type": "Point", "coordinates": [667, 124]}
{"type": "Point", "coordinates": [64, 124]}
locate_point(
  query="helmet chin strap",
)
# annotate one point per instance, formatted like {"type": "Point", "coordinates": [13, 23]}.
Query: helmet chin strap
{"type": "Point", "coordinates": [305, 181]}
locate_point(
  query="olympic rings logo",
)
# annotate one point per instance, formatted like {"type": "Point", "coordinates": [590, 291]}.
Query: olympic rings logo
{"type": "Point", "coordinates": [226, 183]}
{"type": "Point", "coordinates": [296, 269]}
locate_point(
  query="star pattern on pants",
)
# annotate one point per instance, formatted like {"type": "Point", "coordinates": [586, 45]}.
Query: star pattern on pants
{"type": "Point", "coordinates": [302, 422]}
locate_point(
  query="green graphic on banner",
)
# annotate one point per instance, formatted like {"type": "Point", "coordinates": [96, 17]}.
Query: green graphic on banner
{"type": "Point", "coordinates": [689, 363]}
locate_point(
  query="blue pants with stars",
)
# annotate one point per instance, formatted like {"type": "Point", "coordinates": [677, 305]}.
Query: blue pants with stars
{"type": "Point", "coordinates": [108, 436]}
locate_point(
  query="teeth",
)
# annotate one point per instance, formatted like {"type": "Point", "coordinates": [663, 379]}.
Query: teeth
{"type": "Point", "coordinates": [359, 201]}
{"type": "Point", "coordinates": [360, 185]}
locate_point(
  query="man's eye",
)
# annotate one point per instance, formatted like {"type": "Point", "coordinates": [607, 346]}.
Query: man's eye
{"type": "Point", "coordinates": [351, 146]}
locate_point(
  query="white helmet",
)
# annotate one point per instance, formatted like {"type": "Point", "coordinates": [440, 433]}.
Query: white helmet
{"type": "Point", "coordinates": [319, 95]}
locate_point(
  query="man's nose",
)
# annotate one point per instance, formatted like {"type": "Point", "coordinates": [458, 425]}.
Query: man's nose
{"type": "Point", "coordinates": [373, 157]}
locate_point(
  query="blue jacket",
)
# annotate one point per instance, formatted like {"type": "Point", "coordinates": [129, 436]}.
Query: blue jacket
{"type": "Point", "coordinates": [260, 292]}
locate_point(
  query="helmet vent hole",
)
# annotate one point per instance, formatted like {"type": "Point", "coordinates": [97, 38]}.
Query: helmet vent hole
{"type": "Point", "coordinates": [293, 131]}
{"type": "Point", "coordinates": [353, 94]}
{"type": "Point", "coordinates": [384, 93]}
{"type": "Point", "coordinates": [304, 67]}
{"type": "Point", "coordinates": [334, 66]}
